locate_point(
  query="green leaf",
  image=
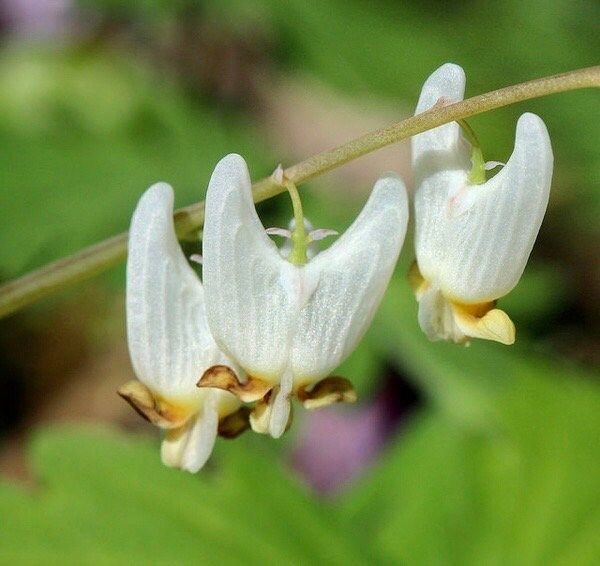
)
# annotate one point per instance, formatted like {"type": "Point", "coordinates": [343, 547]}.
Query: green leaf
{"type": "Point", "coordinates": [85, 134]}
{"type": "Point", "coordinates": [500, 467]}
{"type": "Point", "coordinates": [103, 497]}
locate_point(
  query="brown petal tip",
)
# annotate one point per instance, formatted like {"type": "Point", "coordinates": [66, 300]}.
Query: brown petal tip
{"type": "Point", "coordinates": [148, 406]}
{"type": "Point", "coordinates": [235, 424]}
{"type": "Point", "coordinates": [223, 377]}
{"type": "Point", "coordinates": [327, 392]}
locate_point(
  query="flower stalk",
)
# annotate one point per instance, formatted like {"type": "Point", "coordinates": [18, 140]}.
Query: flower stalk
{"type": "Point", "coordinates": [300, 240]}
{"type": "Point", "coordinates": [477, 174]}
{"type": "Point", "coordinates": [95, 259]}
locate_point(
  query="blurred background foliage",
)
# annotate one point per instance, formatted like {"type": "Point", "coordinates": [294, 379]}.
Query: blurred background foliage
{"type": "Point", "coordinates": [479, 455]}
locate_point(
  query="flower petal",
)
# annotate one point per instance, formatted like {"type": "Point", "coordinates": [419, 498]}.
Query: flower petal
{"type": "Point", "coordinates": [190, 447]}
{"type": "Point", "coordinates": [435, 317]}
{"type": "Point", "coordinates": [492, 227]}
{"type": "Point", "coordinates": [349, 280]}
{"type": "Point", "coordinates": [283, 232]}
{"type": "Point", "coordinates": [473, 241]}
{"type": "Point", "coordinates": [155, 409]}
{"type": "Point", "coordinates": [493, 325]}
{"type": "Point", "coordinates": [281, 406]}
{"type": "Point", "coordinates": [444, 144]}
{"type": "Point", "coordinates": [169, 340]}
{"type": "Point", "coordinates": [332, 389]}
{"type": "Point", "coordinates": [322, 233]}
{"type": "Point", "coordinates": [272, 414]}
{"type": "Point", "coordinates": [249, 309]}
{"type": "Point", "coordinates": [442, 320]}
{"type": "Point", "coordinates": [224, 378]}
{"type": "Point", "coordinates": [441, 162]}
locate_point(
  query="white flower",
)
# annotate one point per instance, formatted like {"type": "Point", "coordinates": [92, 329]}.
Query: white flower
{"type": "Point", "coordinates": [473, 240]}
{"type": "Point", "coordinates": [289, 325]}
{"type": "Point", "coordinates": [169, 340]}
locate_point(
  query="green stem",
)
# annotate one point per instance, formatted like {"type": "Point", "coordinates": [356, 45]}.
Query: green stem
{"type": "Point", "coordinates": [82, 265]}
{"type": "Point", "coordinates": [477, 174]}
{"type": "Point", "coordinates": [298, 256]}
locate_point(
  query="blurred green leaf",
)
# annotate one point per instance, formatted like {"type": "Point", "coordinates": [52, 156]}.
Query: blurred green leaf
{"type": "Point", "coordinates": [105, 498]}
{"type": "Point", "coordinates": [84, 134]}
{"type": "Point", "coordinates": [539, 295]}
{"type": "Point", "coordinates": [499, 468]}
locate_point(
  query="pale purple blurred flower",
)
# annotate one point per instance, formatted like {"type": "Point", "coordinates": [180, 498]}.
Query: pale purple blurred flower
{"type": "Point", "coordinates": [37, 19]}
{"type": "Point", "coordinates": [336, 444]}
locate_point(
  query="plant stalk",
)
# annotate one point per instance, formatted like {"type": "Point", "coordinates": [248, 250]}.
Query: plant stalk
{"type": "Point", "coordinates": [95, 259]}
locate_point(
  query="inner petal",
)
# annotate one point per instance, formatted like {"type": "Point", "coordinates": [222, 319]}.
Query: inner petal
{"type": "Point", "coordinates": [190, 446]}
{"type": "Point", "coordinates": [442, 319]}
{"type": "Point", "coordinates": [484, 321]}
{"type": "Point", "coordinates": [281, 407]}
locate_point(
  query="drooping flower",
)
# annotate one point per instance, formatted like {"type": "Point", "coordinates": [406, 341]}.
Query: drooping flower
{"type": "Point", "coordinates": [473, 237]}
{"type": "Point", "coordinates": [169, 340]}
{"type": "Point", "coordinates": [290, 322]}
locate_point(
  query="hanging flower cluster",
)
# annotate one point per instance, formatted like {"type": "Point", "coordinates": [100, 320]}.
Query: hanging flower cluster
{"type": "Point", "coordinates": [271, 324]}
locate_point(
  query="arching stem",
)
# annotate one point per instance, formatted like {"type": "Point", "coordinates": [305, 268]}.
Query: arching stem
{"type": "Point", "coordinates": [95, 259]}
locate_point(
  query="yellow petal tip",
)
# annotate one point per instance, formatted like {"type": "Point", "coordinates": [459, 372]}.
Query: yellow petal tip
{"type": "Point", "coordinates": [494, 325]}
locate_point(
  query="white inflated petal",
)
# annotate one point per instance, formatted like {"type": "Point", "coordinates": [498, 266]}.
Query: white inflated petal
{"type": "Point", "coordinates": [446, 85]}
{"type": "Point", "coordinates": [492, 227]}
{"type": "Point", "coordinates": [249, 310]}
{"type": "Point", "coordinates": [351, 277]}
{"type": "Point", "coordinates": [441, 161]}
{"type": "Point", "coordinates": [473, 241]}
{"type": "Point", "coordinates": [169, 341]}
{"type": "Point", "coordinates": [286, 322]}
